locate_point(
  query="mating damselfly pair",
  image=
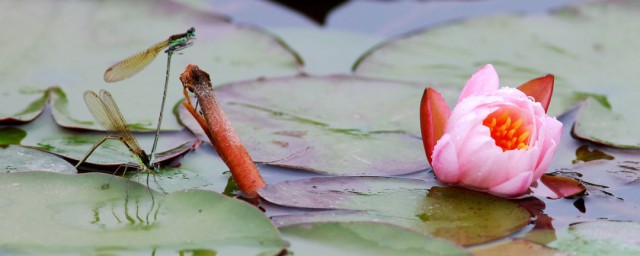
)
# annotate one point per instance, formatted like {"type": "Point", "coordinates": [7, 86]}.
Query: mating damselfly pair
{"type": "Point", "coordinates": [105, 110]}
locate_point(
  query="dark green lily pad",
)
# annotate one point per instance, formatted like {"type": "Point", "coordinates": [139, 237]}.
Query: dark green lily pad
{"type": "Point", "coordinates": [20, 159]}
{"type": "Point", "coordinates": [72, 43]}
{"type": "Point", "coordinates": [11, 135]}
{"type": "Point", "coordinates": [363, 238]}
{"type": "Point", "coordinates": [602, 237]}
{"type": "Point", "coordinates": [463, 216]}
{"type": "Point", "coordinates": [97, 213]}
{"type": "Point", "coordinates": [595, 60]}
{"type": "Point", "coordinates": [339, 125]}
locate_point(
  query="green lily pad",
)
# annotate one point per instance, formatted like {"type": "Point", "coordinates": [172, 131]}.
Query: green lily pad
{"type": "Point", "coordinates": [11, 135]}
{"type": "Point", "coordinates": [96, 213]}
{"type": "Point", "coordinates": [341, 125]}
{"type": "Point", "coordinates": [30, 105]}
{"type": "Point", "coordinates": [20, 159]}
{"type": "Point", "coordinates": [363, 238]}
{"type": "Point", "coordinates": [74, 42]}
{"type": "Point", "coordinates": [460, 215]}
{"type": "Point", "coordinates": [602, 237]}
{"type": "Point", "coordinates": [595, 60]}
{"type": "Point", "coordinates": [45, 135]}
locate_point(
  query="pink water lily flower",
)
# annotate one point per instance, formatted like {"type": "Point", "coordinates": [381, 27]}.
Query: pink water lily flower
{"type": "Point", "coordinates": [498, 140]}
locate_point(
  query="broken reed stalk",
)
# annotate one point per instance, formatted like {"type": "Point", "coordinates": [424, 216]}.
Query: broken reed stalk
{"type": "Point", "coordinates": [222, 135]}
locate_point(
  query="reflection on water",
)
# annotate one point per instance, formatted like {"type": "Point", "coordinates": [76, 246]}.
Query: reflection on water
{"type": "Point", "coordinates": [543, 231]}
{"type": "Point", "coordinates": [131, 212]}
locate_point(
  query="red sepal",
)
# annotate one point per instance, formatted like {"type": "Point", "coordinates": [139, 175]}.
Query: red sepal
{"type": "Point", "coordinates": [434, 114]}
{"type": "Point", "coordinates": [540, 89]}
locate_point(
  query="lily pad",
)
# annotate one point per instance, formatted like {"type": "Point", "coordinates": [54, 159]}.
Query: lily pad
{"type": "Point", "coordinates": [460, 215]}
{"type": "Point", "coordinates": [363, 238]}
{"type": "Point", "coordinates": [602, 237]}
{"type": "Point", "coordinates": [45, 135]}
{"type": "Point", "coordinates": [72, 43]}
{"type": "Point", "coordinates": [97, 213]}
{"type": "Point", "coordinates": [11, 135]}
{"type": "Point", "coordinates": [200, 169]}
{"type": "Point", "coordinates": [30, 105]}
{"type": "Point", "coordinates": [593, 61]}
{"type": "Point", "coordinates": [341, 125]}
{"type": "Point", "coordinates": [20, 159]}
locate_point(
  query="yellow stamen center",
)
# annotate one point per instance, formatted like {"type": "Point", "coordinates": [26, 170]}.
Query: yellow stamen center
{"type": "Point", "coordinates": [507, 129]}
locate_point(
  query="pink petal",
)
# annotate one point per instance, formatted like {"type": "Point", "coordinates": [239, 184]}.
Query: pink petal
{"type": "Point", "coordinates": [445, 161]}
{"type": "Point", "coordinates": [514, 187]}
{"type": "Point", "coordinates": [484, 80]}
{"type": "Point", "coordinates": [552, 132]}
{"type": "Point", "coordinates": [480, 159]}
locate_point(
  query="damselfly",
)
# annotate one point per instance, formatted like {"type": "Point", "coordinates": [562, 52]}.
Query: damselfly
{"type": "Point", "coordinates": [137, 62]}
{"type": "Point", "coordinates": [105, 110]}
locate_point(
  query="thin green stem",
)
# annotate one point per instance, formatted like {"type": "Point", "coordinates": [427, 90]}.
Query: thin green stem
{"type": "Point", "coordinates": [164, 97]}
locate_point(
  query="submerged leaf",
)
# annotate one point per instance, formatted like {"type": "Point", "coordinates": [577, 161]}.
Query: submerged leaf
{"type": "Point", "coordinates": [364, 238]}
{"type": "Point", "coordinates": [516, 247]}
{"type": "Point", "coordinates": [584, 154]}
{"type": "Point", "coordinates": [11, 135]}
{"type": "Point", "coordinates": [464, 216]}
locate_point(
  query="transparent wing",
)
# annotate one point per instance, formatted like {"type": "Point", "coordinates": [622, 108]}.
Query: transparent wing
{"type": "Point", "coordinates": [99, 111]}
{"type": "Point", "coordinates": [133, 64]}
{"type": "Point", "coordinates": [117, 121]}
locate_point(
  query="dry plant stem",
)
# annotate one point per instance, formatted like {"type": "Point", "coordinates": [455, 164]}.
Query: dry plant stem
{"type": "Point", "coordinates": [219, 130]}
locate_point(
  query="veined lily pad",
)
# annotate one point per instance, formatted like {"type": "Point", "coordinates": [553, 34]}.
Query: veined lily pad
{"type": "Point", "coordinates": [72, 43]}
{"type": "Point", "coordinates": [463, 216]}
{"type": "Point", "coordinates": [339, 125]}
{"type": "Point", "coordinates": [601, 237]}
{"type": "Point", "coordinates": [595, 60]}
{"type": "Point", "coordinates": [97, 213]}
{"type": "Point", "coordinates": [19, 159]}
{"type": "Point", "coordinates": [363, 238]}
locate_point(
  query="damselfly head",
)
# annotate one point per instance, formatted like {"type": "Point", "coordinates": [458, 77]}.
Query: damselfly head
{"type": "Point", "coordinates": [191, 32]}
